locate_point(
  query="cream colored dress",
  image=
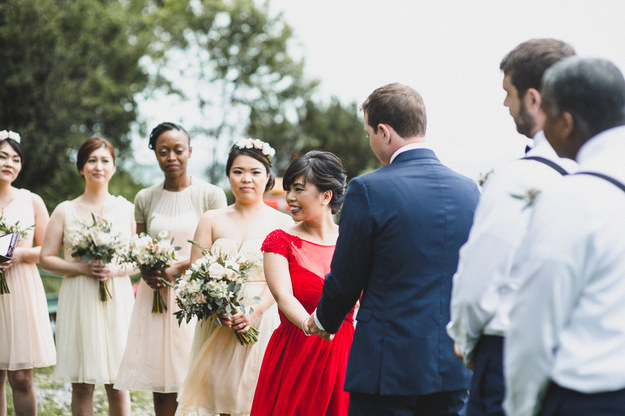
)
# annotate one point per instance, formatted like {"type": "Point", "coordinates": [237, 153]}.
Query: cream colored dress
{"type": "Point", "coordinates": [25, 332]}
{"type": "Point", "coordinates": [223, 373]}
{"type": "Point", "coordinates": [91, 334]}
{"type": "Point", "coordinates": [157, 355]}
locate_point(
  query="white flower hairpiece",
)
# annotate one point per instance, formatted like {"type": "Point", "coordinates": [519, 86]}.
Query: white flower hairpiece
{"type": "Point", "coordinates": [264, 147]}
{"type": "Point", "coordinates": [10, 135]}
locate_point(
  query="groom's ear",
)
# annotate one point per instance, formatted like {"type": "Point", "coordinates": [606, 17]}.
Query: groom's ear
{"type": "Point", "coordinates": [386, 132]}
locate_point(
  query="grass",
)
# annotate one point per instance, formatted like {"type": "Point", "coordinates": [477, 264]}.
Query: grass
{"type": "Point", "coordinates": [55, 398]}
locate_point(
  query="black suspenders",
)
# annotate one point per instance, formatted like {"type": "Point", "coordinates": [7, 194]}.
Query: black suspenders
{"type": "Point", "coordinates": [547, 162]}
{"type": "Point", "coordinates": [605, 177]}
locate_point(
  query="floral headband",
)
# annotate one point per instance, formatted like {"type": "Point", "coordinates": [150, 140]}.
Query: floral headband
{"type": "Point", "coordinates": [264, 147]}
{"type": "Point", "coordinates": [10, 135]}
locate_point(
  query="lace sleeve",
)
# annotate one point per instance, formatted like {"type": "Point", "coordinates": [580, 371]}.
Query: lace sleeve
{"type": "Point", "coordinates": [277, 242]}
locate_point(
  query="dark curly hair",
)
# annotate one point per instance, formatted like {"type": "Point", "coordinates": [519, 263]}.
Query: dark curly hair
{"type": "Point", "coordinates": [322, 169]}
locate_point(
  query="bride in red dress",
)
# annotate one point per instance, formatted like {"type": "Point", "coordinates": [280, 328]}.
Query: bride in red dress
{"type": "Point", "coordinates": [303, 375]}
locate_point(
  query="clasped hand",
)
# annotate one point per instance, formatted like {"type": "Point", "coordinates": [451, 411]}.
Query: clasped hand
{"type": "Point", "coordinates": [153, 278]}
{"type": "Point", "coordinates": [101, 271]}
{"type": "Point", "coordinates": [311, 327]}
{"type": "Point", "coordinates": [239, 322]}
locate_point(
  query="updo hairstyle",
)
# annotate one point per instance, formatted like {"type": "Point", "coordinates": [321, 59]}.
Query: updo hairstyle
{"type": "Point", "coordinates": [89, 147]}
{"type": "Point", "coordinates": [322, 169]}
{"type": "Point", "coordinates": [162, 128]}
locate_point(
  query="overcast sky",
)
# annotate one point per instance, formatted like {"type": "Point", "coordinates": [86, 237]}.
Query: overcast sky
{"type": "Point", "coordinates": [448, 50]}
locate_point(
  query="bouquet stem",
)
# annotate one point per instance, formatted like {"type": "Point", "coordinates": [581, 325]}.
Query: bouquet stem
{"type": "Point", "coordinates": [249, 337]}
{"type": "Point", "coordinates": [104, 292]}
{"type": "Point", "coordinates": [158, 305]}
{"type": "Point", "coordinates": [4, 288]}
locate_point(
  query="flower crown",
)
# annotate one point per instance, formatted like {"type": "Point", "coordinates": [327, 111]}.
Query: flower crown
{"type": "Point", "coordinates": [264, 147]}
{"type": "Point", "coordinates": [10, 135]}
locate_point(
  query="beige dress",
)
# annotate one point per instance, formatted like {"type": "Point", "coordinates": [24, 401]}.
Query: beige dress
{"type": "Point", "coordinates": [223, 373]}
{"type": "Point", "coordinates": [91, 334]}
{"type": "Point", "coordinates": [25, 332]}
{"type": "Point", "coordinates": [157, 355]}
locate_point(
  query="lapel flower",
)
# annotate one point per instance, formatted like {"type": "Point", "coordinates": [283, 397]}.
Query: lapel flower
{"type": "Point", "coordinates": [529, 197]}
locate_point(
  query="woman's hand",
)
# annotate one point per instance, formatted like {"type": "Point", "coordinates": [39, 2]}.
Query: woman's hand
{"type": "Point", "coordinates": [6, 265]}
{"type": "Point", "coordinates": [153, 278]}
{"type": "Point", "coordinates": [102, 271]}
{"type": "Point", "coordinates": [242, 322]}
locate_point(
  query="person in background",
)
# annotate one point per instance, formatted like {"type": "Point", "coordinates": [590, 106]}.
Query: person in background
{"type": "Point", "coordinates": [223, 373]}
{"type": "Point", "coordinates": [25, 334]}
{"type": "Point", "coordinates": [401, 228]}
{"type": "Point", "coordinates": [483, 289]}
{"type": "Point", "coordinates": [564, 348]}
{"type": "Point", "coordinates": [90, 333]}
{"type": "Point", "coordinates": [157, 355]}
{"type": "Point", "coordinates": [296, 261]}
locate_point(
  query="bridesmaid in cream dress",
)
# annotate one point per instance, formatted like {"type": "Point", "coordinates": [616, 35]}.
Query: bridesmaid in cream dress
{"type": "Point", "coordinates": [157, 354]}
{"type": "Point", "coordinates": [25, 334]}
{"type": "Point", "coordinates": [90, 333]}
{"type": "Point", "coordinates": [222, 373]}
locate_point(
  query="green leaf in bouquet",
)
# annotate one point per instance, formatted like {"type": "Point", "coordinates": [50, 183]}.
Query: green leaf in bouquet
{"type": "Point", "coordinates": [205, 251]}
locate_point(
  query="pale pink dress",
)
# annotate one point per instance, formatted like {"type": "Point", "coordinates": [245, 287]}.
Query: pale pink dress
{"type": "Point", "coordinates": [25, 332]}
{"type": "Point", "coordinates": [157, 355]}
{"type": "Point", "coordinates": [223, 373]}
{"type": "Point", "coordinates": [91, 334]}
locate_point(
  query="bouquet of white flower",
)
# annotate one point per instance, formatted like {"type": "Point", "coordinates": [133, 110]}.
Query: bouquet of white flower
{"type": "Point", "coordinates": [213, 286]}
{"type": "Point", "coordinates": [8, 228]}
{"type": "Point", "coordinates": [151, 254]}
{"type": "Point", "coordinates": [96, 241]}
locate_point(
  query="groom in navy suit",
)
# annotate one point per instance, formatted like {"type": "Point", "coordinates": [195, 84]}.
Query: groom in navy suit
{"type": "Point", "coordinates": [400, 231]}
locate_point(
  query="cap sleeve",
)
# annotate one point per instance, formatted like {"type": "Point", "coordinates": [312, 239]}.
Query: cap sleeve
{"type": "Point", "coordinates": [277, 242]}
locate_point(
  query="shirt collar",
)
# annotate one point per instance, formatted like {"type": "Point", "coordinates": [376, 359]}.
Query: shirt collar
{"type": "Point", "coordinates": [405, 148]}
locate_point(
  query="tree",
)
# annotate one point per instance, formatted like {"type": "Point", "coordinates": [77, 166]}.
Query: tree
{"type": "Point", "coordinates": [239, 57]}
{"type": "Point", "coordinates": [70, 70]}
{"type": "Point", "coordinates": [334, 127]}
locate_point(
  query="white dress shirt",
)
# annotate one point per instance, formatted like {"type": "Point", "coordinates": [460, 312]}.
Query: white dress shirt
{"type": "Point", "coordinates": [482, 293]}
{"type": "Point", "coordinates": [568, 319]}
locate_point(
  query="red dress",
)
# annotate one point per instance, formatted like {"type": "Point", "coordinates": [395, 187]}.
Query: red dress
{"type": "Point", "coordinates": [300, 375]}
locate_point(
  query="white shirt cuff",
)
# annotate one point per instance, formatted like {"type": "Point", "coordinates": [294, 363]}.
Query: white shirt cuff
{"type": "Point", "coordinates": [317, 321]}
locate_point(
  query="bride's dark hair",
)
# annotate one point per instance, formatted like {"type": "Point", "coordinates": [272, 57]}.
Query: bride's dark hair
{"type": "Point", "coordinates": [322, 169]}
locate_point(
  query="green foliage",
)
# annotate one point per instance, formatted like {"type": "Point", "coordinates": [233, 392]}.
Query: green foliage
{"type": "Point", "coordinates": [335, 127]}
{"type": "Point", "coordinates": [70, 71]}
{"type": "Point", "coordinates": [242, 64]}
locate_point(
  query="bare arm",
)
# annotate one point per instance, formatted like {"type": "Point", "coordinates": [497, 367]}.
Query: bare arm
{"type": "Point", "coordinates": [279, 282]}
{"type": "Point", "coordinates": [31, 254]}
{"type": "Point", "coordinates": [51, 246]}
{"type": "Point", "coordinates": [203, 236]}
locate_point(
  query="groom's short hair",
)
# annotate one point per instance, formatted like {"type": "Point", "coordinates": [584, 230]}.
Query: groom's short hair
{"type": "Point", "coordinates": [399, 106]}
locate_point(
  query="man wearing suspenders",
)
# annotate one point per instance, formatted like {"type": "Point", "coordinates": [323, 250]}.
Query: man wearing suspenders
{"type": "Point", "coordinates": [565, 349]}
{"type": "Point", "coordinates": [482, 288]}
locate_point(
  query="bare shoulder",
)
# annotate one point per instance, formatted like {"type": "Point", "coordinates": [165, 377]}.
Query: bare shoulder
{"type": "Point", "coordinates": [280, 218]}
{"type": "Point", "coordinates": [37, 202]}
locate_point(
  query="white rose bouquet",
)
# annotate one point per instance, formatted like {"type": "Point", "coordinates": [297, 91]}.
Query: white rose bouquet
{"type": "Point", "coordinates": [7, 228]}
{"type": "Point", "coordinates": [152, 254]}
{"type": "Point", "coordinates": [213, 286]}
{"type": "Point", "coordinates": [96, 241]}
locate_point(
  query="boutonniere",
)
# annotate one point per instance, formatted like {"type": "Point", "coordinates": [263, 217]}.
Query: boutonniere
{"type": "Point", "coordinates": [529, 197]}
{"type": "Point", "coordinates": [481, 180]}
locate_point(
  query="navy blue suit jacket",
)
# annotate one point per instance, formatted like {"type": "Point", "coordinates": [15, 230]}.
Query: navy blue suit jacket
{"type": "Point", "coordinates": [400, 231]}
